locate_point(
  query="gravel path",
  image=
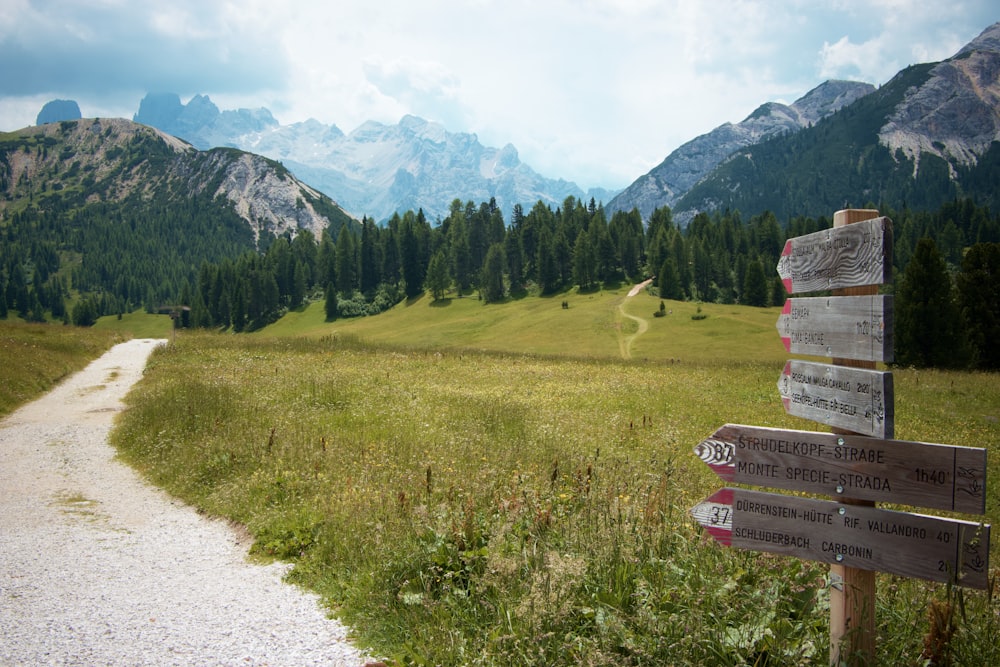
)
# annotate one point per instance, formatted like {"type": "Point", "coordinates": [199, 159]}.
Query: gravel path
{"type": "Point", "coordinates": [98, 567]}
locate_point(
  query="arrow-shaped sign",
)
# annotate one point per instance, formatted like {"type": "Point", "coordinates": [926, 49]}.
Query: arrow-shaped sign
{"type": "Point", "coordinates": [848, 327]}
{"type": "Point", "coordinates": [848, 256]}
{"type": "Point", "coordinates": [893, 471]}
{"type": "Point", "coordinates": [867, 538]}
{"type": "Point", "coordinates": [854, 399]}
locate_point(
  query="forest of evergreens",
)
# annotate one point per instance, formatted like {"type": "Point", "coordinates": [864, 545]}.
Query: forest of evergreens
{"type": "Point", "coordinates": [105, 260]}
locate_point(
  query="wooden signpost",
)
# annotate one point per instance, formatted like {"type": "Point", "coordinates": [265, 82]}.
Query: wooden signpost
{"type": "Point", "coordinates": [855, 399]}
{"type": "Point", "coordinates": [851, 327]}
{"type": "Point", "coordinates": [848, 256]}
{"type": "Point", "coordinates": [910, 545]}
{"type": "Point", "coordinates": [921, 474]}
{"type": "Point", "coordinates": [857, 464]}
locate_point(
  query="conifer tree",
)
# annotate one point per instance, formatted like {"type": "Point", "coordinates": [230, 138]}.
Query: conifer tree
{"type": "Point", "coordinates": [979, 298]}
{"type": "Point", "coordinates": [438, 278]}
{"type": "Point", "coordinates": [331, 302]}
{"type": "Point", "coordinates": [755, 285]}
{"type": "Point", "coordinates": [929, 330]}
{"type": "Point", "coordinates": [491, 281]}
{"type": "Point", "coordinates": [347, 262]}
{"type": "Point", "coordinates": [669, 280]}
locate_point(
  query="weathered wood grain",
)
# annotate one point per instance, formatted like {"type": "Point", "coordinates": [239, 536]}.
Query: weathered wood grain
{"type": "Point", "coordinates": [866, 538]}
{"type": "Point", "coordinates": [850, 327]}
{"type": "Point", "coordinates": [921, 474]}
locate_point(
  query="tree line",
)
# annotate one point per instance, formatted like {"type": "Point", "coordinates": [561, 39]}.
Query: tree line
{"type": "Point", "coordinates": [107, 261]}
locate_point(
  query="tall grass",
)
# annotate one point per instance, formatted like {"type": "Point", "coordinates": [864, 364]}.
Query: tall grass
{"type": "Point", "coordinates": [34, 357]}
{"type": "Point", "coordinates": [501, 509]}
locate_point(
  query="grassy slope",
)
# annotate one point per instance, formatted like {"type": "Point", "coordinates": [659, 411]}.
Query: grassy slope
{"type": "Point", "coordinates": [137, 325]}
{"type": "Point", "coordinates": [592, 327]}
{"type": "Point", "coordinates": [34, 357]}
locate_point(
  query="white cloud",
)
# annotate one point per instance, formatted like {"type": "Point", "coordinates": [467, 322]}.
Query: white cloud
{"type": "Point", "coordinates": [596, 91]}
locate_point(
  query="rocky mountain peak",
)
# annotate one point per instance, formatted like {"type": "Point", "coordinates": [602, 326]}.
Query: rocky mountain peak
{"type": "Point", "coordinates": [955, 113]}
{"type": "Point", "coordinates": [377, 169]}
{"type": "Point", "coordinates": [988, 40]}
{"type": "Point", "coordinates": [111, 159]}
{"type": "Point", "coordinates": [58, 110]}
{"type": "Point", "coordinates": [828, 97]}
{"type": "Point", "coordinates": [200, 121]}
{"type": "Point", "coordinates": [687, 165]}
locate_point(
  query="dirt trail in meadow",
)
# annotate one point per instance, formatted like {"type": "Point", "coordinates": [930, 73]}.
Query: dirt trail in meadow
{"type": "Point", "coordinates": [99, 567]}
{"type": "Point", "coordinates": [625, 342]}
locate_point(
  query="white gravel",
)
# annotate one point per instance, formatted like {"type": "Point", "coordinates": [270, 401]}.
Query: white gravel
{"type": "Point", "coordinates": [98, 567]}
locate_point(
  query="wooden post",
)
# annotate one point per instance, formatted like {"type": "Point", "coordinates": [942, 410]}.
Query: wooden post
{"type": "Point", "coordinates": [852, 591]}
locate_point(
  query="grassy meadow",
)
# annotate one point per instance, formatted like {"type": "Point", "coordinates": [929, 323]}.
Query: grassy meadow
{"type": "Point", "coordinates": [137, 325]}
{"type": "Point", "coordinates": [510, 484]}
{"type": "Point", "coordinates": [598, 325]}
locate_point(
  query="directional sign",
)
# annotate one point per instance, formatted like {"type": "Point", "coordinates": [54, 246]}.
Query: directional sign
{"type": "Point", "coordinates": [848, 327]}
{"type": "Point", "coordinates": [867, 538]}
{"type": "Point", "coordinates": [854, 399]}
{"type": "Point", "coordinates": [894, 471]}
{"type": "Point", "coordinates": [848, 256]}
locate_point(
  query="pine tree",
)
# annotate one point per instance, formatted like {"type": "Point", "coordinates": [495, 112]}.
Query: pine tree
{"type": "Point", "coordinates": [547, 263]}
{"type": "Point", "coordinates": [515, 260]}
{"type": "Point", "coordinates": [755, 285]}
{"type": "Point", "coordinates": [461, 252]}
{"type": "Point", "coordinates": [347, 262]}
{"type": "Point", "coordinates": [331, 302]}
{"type": "Point", "coordinates": [929, 328]}
{"type": "Point", "coordinates": [584, 262]}
{"type": "Point", "coordinates": [491, 281]}
{"type": "Point", "coordinates": [438, 279]}
{"type": "Point", "coordinates": [669, 280]}
{"type": "Point", "coordinates": [979, 298]}
{"type": "Point", "coordinates": [410, 256]}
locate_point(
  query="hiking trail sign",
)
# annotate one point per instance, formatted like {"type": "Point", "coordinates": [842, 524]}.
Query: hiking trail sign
{"type": "Point", "coordinates": [867, 538]}
{"type": "Point", "coordinates": [848, 256]}
{"type": "Point", "coordinates": [855, 399]}
{"type": "Point", "coordinates": [921, 474]}
{"type": "Point", "coordinates": [859, 463]}
{"type": "Point", "coordinates": [850, 327]}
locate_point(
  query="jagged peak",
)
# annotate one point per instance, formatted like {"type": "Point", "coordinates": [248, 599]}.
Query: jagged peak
{"type": "Point", "coordinates": [988, 40]}
{"type": "Point", "coordinates": [767, 109]}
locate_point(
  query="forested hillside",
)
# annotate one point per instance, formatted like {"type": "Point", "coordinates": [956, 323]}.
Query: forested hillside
{"type": "Point", "coordinates": [839, 162]}
{"type": "Point", "coordinates": [716, 258]}
{"type": "Point", "coordinates": [104, 216]}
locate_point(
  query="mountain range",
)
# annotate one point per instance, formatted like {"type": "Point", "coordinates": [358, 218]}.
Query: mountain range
{"type": "Point", "coordinates": [377, 169]}
{"type": "Point", "coordinates": [684, 167]}
{"type": "Point", "coordinates": [72, 163]}
{"type": "Point", "coordinates": [947, 111]}
{"type": "Point", "coordinates": [929, 135]}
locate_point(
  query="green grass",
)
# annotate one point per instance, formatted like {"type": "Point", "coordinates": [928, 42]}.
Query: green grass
{"type": "Point", "coordinates": [137, 325]}
{"type": "Point", "coordinates": [34, 357]}
{"type": "Point", "coordinates": [496, 508]}
{"type": "Point", "coordinates": [592, 327]}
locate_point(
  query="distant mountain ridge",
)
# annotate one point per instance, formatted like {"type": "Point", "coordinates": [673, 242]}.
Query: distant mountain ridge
{"type": "Point", "coordinates": [928, 136]}
{"type": "Point", "coordinates": [111, 159]}
{"type": "Point", "coordinates": [375, 170]}
{"type": "Point", "coordinates": [665, 184]}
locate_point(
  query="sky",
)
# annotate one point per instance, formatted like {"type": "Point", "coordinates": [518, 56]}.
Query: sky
{"type": "Point", "coordinates": [593, 91]}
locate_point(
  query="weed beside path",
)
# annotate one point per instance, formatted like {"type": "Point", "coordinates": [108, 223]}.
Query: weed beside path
{"type": "Point", "coordinates": [97, 567]}
{"type": "Point", "coordinates": [35, 357]}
